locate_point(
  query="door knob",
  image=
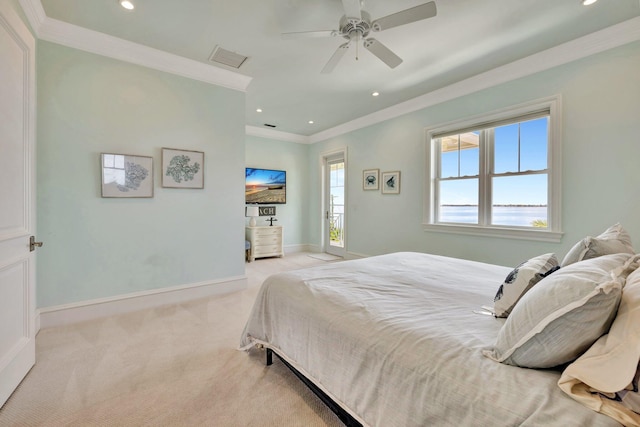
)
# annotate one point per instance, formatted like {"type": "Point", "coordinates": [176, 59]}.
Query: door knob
{"type": "Point", "coordinates": [33, 243]}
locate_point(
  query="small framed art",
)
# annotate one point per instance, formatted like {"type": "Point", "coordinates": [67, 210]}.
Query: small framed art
{"type": "Point", "coordinates": [124, 175]}
{"type": "Point", "coordinates": [370, 179]}
{"type": "Point", "coordinates": [182, 168]}
{"type": "Point", "coordinates": [391, 182]}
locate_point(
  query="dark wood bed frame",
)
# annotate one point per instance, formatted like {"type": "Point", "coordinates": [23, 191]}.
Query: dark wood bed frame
{"type": "Point", "coordinates": [344, 416]}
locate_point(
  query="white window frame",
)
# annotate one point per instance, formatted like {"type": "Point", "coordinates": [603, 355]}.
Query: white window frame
{"type": "Point", "coordinates": [553, 232]}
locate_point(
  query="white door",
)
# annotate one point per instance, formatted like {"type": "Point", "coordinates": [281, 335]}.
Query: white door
{"type": "Point", "coordinates": [17, 201]}
{"type": "Point", "coordinates": [334, 204]}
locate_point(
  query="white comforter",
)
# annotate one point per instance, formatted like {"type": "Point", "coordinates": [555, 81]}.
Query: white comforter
{"type": "Point", "coordinates": [395, 341]}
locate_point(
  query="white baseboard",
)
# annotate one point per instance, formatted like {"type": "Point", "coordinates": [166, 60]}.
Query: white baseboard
{"type": "Point", "coordinates": [66, 314]}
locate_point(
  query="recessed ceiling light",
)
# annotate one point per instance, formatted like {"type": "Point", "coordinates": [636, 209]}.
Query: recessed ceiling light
{"type": "Point", "coordinates": [259, 110]}
{"type": "Point", "coordinates": [310, 122]}
{"type": "Point", "coordinates": [375, 94]}
{"type": "Point", "coordinates": [127, 4]}
{"type": "Point", "coordinates": [588, 2]}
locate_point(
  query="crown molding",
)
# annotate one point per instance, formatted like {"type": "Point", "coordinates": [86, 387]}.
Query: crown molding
{"type": "Point", "coordinates": [609, 38]}
{"type": "Point", "coordinates": [34, 12]}
{"type": "Point", "coordinates": [77, 37]}
{"type": "Point", "coordinates": [276, 134]}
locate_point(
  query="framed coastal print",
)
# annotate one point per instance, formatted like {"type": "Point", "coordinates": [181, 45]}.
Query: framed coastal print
{"type": "Point", "coordinates": [391, 182]}
{"type": "Point", "coordinates": [125, 175]}
{"type": "Point", "coordinates": [182, 168]}
{"type": "Point", "coordinates": [370, 179]}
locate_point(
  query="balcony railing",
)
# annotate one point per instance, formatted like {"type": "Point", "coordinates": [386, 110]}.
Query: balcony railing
{"type": "Point", "coordinates": [336, 229]}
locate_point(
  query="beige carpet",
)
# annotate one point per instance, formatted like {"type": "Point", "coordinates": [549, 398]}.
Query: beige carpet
{"type": "Point", "coordinates": [173, 366]}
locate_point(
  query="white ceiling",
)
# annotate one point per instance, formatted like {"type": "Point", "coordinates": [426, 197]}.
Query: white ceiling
{"type": "Point", "coordinates": [465, 39]}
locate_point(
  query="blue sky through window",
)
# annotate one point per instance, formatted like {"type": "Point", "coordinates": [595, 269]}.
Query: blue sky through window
{"type": "Point", "coordinates": [518, 147]}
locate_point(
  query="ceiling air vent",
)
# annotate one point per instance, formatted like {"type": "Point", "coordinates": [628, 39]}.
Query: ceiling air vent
{"type": "Point", "coordinates": [226, 57]}
{"type": "Point", "coordinates": [269, 125]}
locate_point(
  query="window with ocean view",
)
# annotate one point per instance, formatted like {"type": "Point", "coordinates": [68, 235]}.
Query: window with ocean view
{"type": "Point", "coordinates": [498, 174]}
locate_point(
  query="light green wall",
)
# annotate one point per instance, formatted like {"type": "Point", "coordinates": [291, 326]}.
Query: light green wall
{"type": "Point", "coordinates": [292, 157]}
{"type": "Point", "coordinates": [97, 247]}
{"type": "Point", "coordinates": [600, 173]}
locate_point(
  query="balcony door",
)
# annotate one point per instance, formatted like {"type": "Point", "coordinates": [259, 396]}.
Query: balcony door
{"type": "Point", "coordinates": [334, 204]}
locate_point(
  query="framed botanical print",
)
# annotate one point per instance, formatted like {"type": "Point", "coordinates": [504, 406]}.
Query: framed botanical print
{"type": "Point", "coordinates": [182, 168]}
{"type": "Point", "coordinates": [125, 175]}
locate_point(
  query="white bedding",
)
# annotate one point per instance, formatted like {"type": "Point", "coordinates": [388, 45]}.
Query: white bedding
{"type": "Point", "coordinates": [395, 341]}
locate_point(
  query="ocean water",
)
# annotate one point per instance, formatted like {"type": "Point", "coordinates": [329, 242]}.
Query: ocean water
{"type": "Point", "coordinates": [522, 216]}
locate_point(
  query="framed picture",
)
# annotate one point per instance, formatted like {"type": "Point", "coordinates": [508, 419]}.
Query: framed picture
{"type": "Point", "coordinates": [124, 175]}
{"type": "Point", "coordinates": [391, 182]}
{"type": "Point", "coordinates": [370, 179]}
{"type": "Point", "coordinates": [182, 168]}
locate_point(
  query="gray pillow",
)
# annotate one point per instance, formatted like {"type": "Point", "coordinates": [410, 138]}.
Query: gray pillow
{"type": "Point", "coordinates": [613, 240]}
{"type": "Point", "coordinates": [566, 312]}
{"type": "Point", "coordinates": [520, 280]}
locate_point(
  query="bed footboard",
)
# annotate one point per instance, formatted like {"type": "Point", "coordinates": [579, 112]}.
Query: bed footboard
{"type": "Point", "coordinates": [344, 416]}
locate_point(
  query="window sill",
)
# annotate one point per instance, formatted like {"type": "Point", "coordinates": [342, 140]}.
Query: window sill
{"type": "Point", "coordinates": [502, 232]}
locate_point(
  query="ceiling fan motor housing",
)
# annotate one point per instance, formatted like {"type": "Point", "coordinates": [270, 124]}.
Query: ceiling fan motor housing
{"type": "Point", "coordinates": [351, 28]}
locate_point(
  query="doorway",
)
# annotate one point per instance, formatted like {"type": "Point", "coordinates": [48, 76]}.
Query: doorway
{"type": "Point", "coordinates": [335, 224]}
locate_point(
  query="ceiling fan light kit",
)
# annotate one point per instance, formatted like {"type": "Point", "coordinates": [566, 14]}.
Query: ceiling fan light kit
{"type": "Point", "coordinates": [356, 25]}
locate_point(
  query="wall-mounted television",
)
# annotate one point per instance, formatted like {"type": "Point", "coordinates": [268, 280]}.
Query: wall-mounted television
{"type": "Point", "coordinates": [265, 186]}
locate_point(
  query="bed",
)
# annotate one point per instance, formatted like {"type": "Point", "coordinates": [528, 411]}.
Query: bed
{"type": "Point", "coordinates": [401, 340]}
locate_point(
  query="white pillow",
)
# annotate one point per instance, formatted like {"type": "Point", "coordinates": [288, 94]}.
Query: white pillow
{"type": "Point", "coordinates": [605, 377]}
{"type": "Point", "coordinates": [520, 280]}
{"type": "Point", "coordinates": [613, 240]}
{"type": "Point", "coordinates": [560, 317]}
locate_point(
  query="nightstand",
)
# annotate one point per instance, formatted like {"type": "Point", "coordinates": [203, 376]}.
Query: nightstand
{"type": "Point", "coordinates": [265, 241]}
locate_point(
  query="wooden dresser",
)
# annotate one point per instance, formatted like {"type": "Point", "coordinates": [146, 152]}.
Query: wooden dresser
{"type": "Point", "coordinates": [265, 241]}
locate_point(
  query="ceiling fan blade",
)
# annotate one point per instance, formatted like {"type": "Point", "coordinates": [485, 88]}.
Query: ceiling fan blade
{"type": "Point", "coordinates": [418, 13]}
{"type": "Point", "coordinates": [382, 52]}
{"type": "Point", "coordinates": [352, 8]}
{"type": "Point", "coordinates": [335, 58]}
{"type": "Point", "coordinates": [309, 34]}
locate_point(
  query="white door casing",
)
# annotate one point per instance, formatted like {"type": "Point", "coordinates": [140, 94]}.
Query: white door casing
{"type": "Point", "coordinates": [17, 200]}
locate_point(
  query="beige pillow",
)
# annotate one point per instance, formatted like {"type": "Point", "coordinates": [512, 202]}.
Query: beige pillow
{"type": "Point", "coordinates": [613, 240]}
{"type": "Point", "coordinates": [563, 315]}
{"type": "Point", "coordinates": [601, 378]}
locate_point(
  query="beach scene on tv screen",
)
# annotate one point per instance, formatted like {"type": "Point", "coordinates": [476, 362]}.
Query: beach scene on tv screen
{"type": "Point", "coordinates": [265, 186]}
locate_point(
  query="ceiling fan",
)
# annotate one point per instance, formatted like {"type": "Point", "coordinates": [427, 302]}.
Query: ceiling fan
{"type": "Point", "coordinates": [356, 25]}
